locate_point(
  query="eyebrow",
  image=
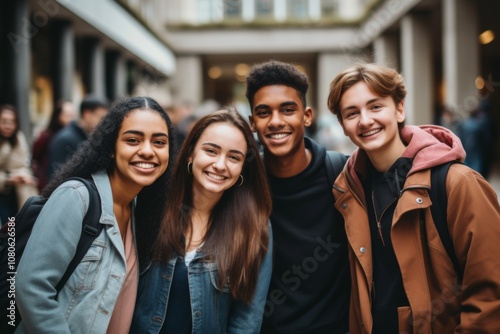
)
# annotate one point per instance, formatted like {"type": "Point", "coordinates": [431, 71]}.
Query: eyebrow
{"type": "Point", "coordinates": [140, 133]}
{"type": "Point", "coordinates": [367, 102]}
{"type": "Point", "coordinates": [218, 147]}
{"type": "Point", "coordinates": [284, 104]}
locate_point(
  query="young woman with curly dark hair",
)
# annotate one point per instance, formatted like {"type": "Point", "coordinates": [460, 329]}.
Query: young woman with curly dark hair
{"type": "Point", "coordinates": [127, 157]}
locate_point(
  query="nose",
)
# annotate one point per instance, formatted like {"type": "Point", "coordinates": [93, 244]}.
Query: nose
{"type": "Point", "coordinates": [146, 150]}
{"type": "Point", "coordinates": [275, 121]}
{"type": "Point", "coordinates": [219, 164]}
{"type": "Point", "coordinates": [364, 119]}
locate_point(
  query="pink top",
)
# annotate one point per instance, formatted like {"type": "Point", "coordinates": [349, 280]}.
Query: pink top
{"type": "Point", "coordinates": [121, 319]}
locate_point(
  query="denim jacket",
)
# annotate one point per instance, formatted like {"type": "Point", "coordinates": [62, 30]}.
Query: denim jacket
{"type": "Point", "coordinates": [85, 304]}
{"type": "Point", "coordinates": [213, 309]}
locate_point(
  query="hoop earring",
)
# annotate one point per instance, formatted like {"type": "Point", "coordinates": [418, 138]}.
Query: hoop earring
{"type": "Point", "coordinates": [239, 184]}
{"type": "Point", "coordinates": [190, 168]}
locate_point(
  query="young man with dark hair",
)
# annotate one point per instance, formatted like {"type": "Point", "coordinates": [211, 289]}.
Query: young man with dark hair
{"type": "Point", "coordinates": [309, 291]}
{"type": "Point", "coordinates": [66, 141]}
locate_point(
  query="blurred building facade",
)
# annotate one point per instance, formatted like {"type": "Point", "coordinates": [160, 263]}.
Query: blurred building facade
{"type": "Point", "coordinates": [65, 49]}
{"type": "Point", "coordinates": [198, 50]}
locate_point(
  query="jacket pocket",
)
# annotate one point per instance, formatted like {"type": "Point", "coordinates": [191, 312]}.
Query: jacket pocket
{"type": "Point", "coordinates": [405, 320]}
{"type": "Point", "coordinates": [224, 288]}
{"type": "Point", "coordinates": [85, 274]}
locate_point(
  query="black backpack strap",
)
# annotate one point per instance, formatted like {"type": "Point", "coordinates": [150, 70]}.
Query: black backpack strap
{"type": "Point", "coordinates": [439, 206]}
{"type": "Point", "coordinates": [91, 228]}
{"type": "Point", "coordinates": [334, 163]}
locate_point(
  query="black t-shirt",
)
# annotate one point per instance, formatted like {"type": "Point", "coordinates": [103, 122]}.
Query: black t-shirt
{"type": "Point", "coordinates": [309, 291]}
{"type": "Point", "coordinates": [178, 317]}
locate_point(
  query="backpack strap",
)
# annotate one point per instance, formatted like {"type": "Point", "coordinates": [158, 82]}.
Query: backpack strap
{"type": "Point", "coordinates": [91, 228]}
{"type": "Point", "coordinates": [334, 163]}
{"type": "Point", "coordinates": [439, 206]}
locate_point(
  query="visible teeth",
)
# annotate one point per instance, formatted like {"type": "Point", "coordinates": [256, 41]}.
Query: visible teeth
{"type": "Point", "coordinates": [144, 165]}
{"type": "Point", "coordinates": [369, 133]}
{"type": "Point", "coordinates": [215, 176]}
{"type": "Point", "coordinates": [278, 135]}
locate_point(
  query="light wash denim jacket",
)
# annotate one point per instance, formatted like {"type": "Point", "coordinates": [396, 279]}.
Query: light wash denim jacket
{"type": "Point", "coordinates": [86, 302]}
{"type": "Point", "coordinates": [213, 309]}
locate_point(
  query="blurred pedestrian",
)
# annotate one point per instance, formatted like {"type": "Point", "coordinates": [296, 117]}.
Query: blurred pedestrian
{"type": "Point", "coordinates": [65, 142]}
{"type": "Point", "coordinates": [449, 119]}
{"type": "Point", "coordinates": [62, 115]}
{"type": "Point", "coordinates": [476, 134]}
{"type": "Point", "coordinates": [16, 179]}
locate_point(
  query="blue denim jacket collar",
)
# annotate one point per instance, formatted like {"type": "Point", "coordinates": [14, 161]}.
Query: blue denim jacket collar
{"type": "Point", "coordinates": [103, 185]}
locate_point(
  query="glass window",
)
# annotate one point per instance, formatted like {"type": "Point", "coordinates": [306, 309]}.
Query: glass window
{"type": "Point", "coordinates": [298, 9]}
{"type": "Point", "coordinates": [329, 7]}
{"type": "Point", "coordinates": [264, 8]}
{"type": "Point", "coordinates": [232, 9]}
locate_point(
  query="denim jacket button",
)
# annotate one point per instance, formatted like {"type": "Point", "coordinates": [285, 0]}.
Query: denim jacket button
{"type": "Point", "coordinates": [197, 314]}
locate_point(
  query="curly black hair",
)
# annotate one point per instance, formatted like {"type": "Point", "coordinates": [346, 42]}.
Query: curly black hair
{"type": "Point", "coordinates": [95, 154]}
{"type": "Point", "coordinates": [276, 73]}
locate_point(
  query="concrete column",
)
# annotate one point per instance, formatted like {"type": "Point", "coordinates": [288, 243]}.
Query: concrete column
{"type": "Point", "coordinates": [4, 59]}
{"type": "Point", "coordinates": [330, 133]}
{"type": "Point", "coordinates": [329, 65]}
{"type": "Point", "coordinates": [248, 10]}
{"type": "Point", "coordinates": [94, 75]}
{"type": "Point", "coordinates": [280, 12]}
{"type": "Point", "coordinates": [386, 51]}
{"type": "Point", "coordinates": [315, 10]}
{"type": "Point", "coordinates": [416, 51]}
{"type": "Point", "coordinates": [187, 82]}
{"type": "Point", "coordinates": [116, 75]}
{"type": "Point", "coordinates": [19, 83]}
{"type": "Point", "coordinates": [64, 60]}
{"type": "Point", "coordinates": [460, 54]}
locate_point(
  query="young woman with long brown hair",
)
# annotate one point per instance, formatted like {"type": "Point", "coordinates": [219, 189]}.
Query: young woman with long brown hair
{"type": "Point", "coordinates": [212, 260]}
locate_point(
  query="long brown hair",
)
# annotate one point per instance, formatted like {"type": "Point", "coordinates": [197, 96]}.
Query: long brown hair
{"type": "Point", "coordinates": [238, 235]}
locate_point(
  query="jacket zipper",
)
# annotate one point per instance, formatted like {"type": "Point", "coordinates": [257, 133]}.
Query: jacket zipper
{"type": "Point", "coordinates": [379, 225]}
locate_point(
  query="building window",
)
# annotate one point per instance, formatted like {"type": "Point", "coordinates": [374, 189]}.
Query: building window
{"type": "Point", "coordinates": [329, 7]}
{"type": "Point", "coordinates": [264, 8]}
{"type": "Point", "coordinates": [298, 9]}
{"type": "Point", "coordinates": [232, 9]}
{"type": "Point", "coordinates": [206, 11]}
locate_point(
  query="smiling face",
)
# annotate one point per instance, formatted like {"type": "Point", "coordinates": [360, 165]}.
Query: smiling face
{"type": "Point", "coordinates": [218, 158]}
{"type": "Point", "coordinates": [8, 123]}
{"type": "Point", "coordinates": [279, 118]}
{"type": "Point", "coordinates": [141, 152]}
{"type": "Point", "coordinates": [371, 122]}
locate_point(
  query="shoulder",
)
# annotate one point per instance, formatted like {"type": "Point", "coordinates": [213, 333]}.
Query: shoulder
{"type": "Point", "coordinates": [465, 185]}
{"type": "Point", "coordinates": [68, 132]}
{"type": "Point", "coordinates": [22, 143]}
{"type": "Point", "coordinates": [69, 191]}
{"type": "Point", "coordinates": [459, 174]}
